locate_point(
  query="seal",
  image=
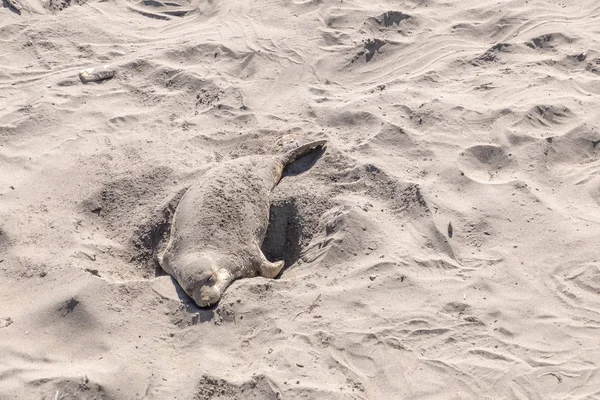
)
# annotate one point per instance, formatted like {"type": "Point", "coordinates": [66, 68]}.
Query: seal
{"type": "Point", "coordinates": [220, 224]}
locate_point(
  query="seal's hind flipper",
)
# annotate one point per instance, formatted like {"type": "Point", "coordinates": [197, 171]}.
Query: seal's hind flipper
{"type": "Point", "coordinates": [298, 152]}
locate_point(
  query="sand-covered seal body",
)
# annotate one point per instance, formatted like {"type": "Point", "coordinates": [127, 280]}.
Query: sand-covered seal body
{"type": "Point", "coordinates": [220, 224]}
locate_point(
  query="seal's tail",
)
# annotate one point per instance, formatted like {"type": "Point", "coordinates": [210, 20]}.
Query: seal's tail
{"type": "Point", "coordinates": [298, 152]}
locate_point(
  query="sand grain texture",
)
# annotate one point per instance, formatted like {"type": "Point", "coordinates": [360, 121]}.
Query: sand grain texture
{"type": "Point", "coordinates": [479, 114]}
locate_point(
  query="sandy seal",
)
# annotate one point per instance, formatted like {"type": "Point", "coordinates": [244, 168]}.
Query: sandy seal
{"type": "Point", "coordinates": [220, 223]}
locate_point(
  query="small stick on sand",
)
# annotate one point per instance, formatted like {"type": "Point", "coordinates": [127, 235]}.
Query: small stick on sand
{"type": "Point", "coordinates": [311, 307]}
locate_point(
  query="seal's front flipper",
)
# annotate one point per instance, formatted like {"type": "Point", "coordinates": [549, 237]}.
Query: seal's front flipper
{"type": "Point", "coordinates": [267, 268]}
{"type": "Point", "coordinates": [163, 261]}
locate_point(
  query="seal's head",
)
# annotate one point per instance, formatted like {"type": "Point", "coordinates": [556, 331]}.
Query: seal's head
{"type": "Point", "coordinates": [202, 278]}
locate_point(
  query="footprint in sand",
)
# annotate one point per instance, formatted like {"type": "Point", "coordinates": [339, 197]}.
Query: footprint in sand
{"type": "Point", "coordinates": [487, 164]}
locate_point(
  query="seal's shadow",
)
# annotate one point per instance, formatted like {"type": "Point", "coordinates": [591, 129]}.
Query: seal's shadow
{"type": "Point", "coordinates": [283, 240]}
{"type": "Point", "coordinates": [303, 164]}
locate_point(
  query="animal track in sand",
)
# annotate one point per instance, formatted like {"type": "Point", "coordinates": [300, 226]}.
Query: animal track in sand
{"type": "Point", "coordinates": [487, 164]}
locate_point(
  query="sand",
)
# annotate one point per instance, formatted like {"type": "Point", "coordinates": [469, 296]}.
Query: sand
{"type": "Point", "coordinates": [445, 246]}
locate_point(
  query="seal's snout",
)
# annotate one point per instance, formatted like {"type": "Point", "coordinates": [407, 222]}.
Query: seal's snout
{"type": "Point", "coordinates": [206, 296]}
{"type": "Point", "coordinates": [209, 286]}
{"type": "Point", "coordinates": [203, 288]}
{"type": "Point", "coordinates": [198, 278]}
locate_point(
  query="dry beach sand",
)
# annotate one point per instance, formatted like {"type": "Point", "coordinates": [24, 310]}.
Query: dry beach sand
{"type": "Point", "coordinates": [480, 115]}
